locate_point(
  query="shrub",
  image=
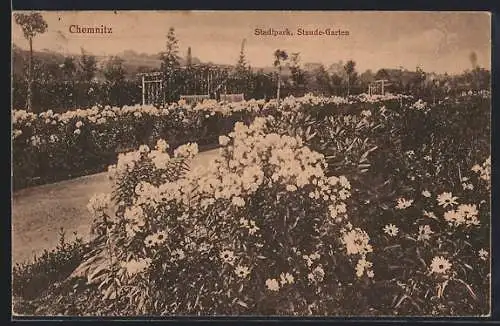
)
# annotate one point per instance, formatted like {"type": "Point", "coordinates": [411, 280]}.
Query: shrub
{"type": "Point", "coordinates": [31, 279]}
{"type": "Point", "coordinates": [261, 230]}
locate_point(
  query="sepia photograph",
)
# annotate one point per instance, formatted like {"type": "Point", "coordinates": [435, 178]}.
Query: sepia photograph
{"type": "Point", "coordinates": [251, 163]}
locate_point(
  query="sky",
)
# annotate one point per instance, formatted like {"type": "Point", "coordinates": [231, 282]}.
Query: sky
{"type": "Point", "coordinates": [437, 41]}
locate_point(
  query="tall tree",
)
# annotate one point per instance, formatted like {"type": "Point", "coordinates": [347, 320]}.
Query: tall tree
{"type": "Point", "coordinates": [114, 72]}
{"type": "Point", "coordinates": [280, 56]}
{"type": "Point", "coordinates": [322, 81]}
{"type": "Point", "coordinates": [242, 71]}
{"type": "Point", "coordinates": [31, 24]}
{"type": "Point", "coordinates": [298, 75]}
{"type": "Point", "coordinates": [88, 66]}
{"type": "Point", "coordinates": [419, 79]}
{"type": "Point", "coordinates": [68, 68]}
{"type": "Point", "coordinates": [170, 64]}
{"type": "Point", "coordinates": [170, 57]}
{"type": "Point", "coordinates": [351, 74]}
{"type": "Point", "coordinates": [241, 65]}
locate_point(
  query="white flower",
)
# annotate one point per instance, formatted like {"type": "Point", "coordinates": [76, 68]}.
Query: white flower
{"type": "Point", "coordinates": [143, 149]}
{"type": "Point", "coordinates": [188, 150]}
{"type": "Point", "coordinates": [344, 182]}
{"type": "Point", "coordinates": [356, 241]}
{"type": "Point", "coordinates": [424, 232]}
{"type": "Point", "coordinates": [446, 199]}
{"type": "Point", "coordinates": [162, 145]}
{"type": "Point", "coordinates": [242, 271]}
{"type": "Point", "coordinates": [426, 193]}
{"type": "Point", "coordinates": [469, 211]}
{"type": "Point", "coordinates": [465, 214]}
{"type": "Point", "coordinates": [317, 275]}
{"type": "Point", "coordinates": [440, 265]}
{"type": "Point", "coordinates": [476, 168]}
{"type": "Point", "coordinates": [429, 214]}
{"type": "Point", "coordinates": [483, 254]}
{"type": "Point", "coordinates": [77, 131]}
{"type": "Point", "coordinates": [136, 266]}
{"type": "Point", "coordinates": [341, 208]}
{"type": "Point", "coordinates": [155, 239]}
{"type": "Point", "coordinates": [177, 254]}
{"type": "Point", "coordinates": [366, 113]}
{"type": "Point", "coordinates": [286, 278]}
{"type": "Point", "coordinates": [291, 188]}
{"type": "Point", "coordinates": [79, 124]}
{"type": "Point", "coordinates": [238, 201]}
{"type": "Point", "coordinates": [244, 222]}
{"type": "Point", "coordinates": [272, 285]}
{"type": "Point", "coordinates": [404, 203]}
{"type": "Point", "coordinates": [252, 228]}
{"type": "Point", "coordinates": [227, 256]}
{"type": "Point", "coordinates": [361, 266]}
{"type": "Point", "coordinates": [391, 230]}
{"type": "Point", "coordinates": [224, 140]}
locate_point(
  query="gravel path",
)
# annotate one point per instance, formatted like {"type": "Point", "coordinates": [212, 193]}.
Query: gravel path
{"type": "Point", "coordinates": [38, 213]}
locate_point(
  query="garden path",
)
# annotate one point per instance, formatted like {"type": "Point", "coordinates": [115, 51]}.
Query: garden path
{"type": "Point", "coordinates": [38, 213]}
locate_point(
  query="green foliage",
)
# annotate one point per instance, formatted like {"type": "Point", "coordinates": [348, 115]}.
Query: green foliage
{"type": "Point", "coordinates": [31, 279]}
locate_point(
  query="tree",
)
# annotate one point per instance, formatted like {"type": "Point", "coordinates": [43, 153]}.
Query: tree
{"type": "Point", "coordinates": [88, 67]}
{"type": "Point", "coordinates": [114, 71]}
{"type": "Point", "coordinates": [68, 68]}
{"type": "Point", "coordinates": [298, 75]}
{"type": "Point", "coordinates": [320, 82]}
{"type": "Point", "coordinates": [241, 65]}
{"type": "Point", "coordinates": [31, 24]}
{"type": "Point", "coordinates": [351, 74]}
{"type": "Point", "coordinates": [170, 57]}
{"type": "Point", "coordinates": [366, 78]}
{"type": "Point", "coordinates": [242, 71]}
{"type": "Point", "coordinates": [418, 80]}
{"type": "Point", "coordinates": [170, 63]}
{"type": "Point", "coordinates": [336, 82]}
{"type": "Point", "coordinates": [279, 57]}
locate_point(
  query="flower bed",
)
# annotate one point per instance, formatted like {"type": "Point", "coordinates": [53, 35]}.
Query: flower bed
{"type": "Point", "coordinates": [52, 146]}
{"type": "Point", "coordinates": [326, 207]}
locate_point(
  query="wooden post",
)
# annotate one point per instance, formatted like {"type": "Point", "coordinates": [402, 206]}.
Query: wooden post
{"type": "Point", "coordinates": [383, 92]}
{"type": "Point", "coordinates": [143, 91]}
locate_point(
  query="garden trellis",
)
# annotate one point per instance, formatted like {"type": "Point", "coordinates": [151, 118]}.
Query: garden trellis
{"type": "Point", "coordinates": [378, 87]}
{"type": "Point", "coordinates": [193, 84]}
{"type": "Point", "coordinates": [152, 88]}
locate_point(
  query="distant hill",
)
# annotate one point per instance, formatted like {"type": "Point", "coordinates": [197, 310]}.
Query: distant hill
{"type": "Point", "coordinates": [133, 62]}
